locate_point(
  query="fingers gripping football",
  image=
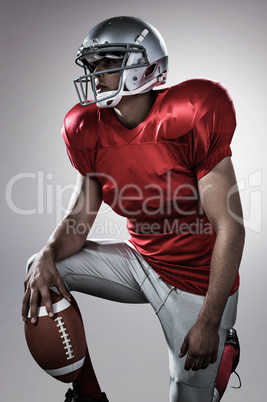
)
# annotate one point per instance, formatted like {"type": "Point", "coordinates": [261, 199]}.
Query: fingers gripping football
{"type": "Point", "coordinates": [41, 277]}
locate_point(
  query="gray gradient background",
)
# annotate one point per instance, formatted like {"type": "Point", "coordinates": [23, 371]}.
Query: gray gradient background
{"type": "Point", "coordinates": [224, 41]}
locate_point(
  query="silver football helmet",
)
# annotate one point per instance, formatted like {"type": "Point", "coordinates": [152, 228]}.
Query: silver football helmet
{"type": "Point", "coordinates": [143, 54]}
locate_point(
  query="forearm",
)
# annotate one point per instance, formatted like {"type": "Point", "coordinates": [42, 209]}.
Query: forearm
{"type": "Point", "coordinates": [219, 201]}
{"type": "Point", "coordinates": [70, 235]}
{"type": "Point", "coordinates": [67, 239]}
{"type": "Point", "coordinates": [224, 267]}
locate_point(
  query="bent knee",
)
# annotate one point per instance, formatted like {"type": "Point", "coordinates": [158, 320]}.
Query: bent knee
{"type": "Point", "coordinates": [189, 392]}
{"type": "Point", "coordinates": [201, 378]}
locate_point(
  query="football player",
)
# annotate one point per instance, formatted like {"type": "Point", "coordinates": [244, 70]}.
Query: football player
{"type": "Point", "coordinates": [161, 158]}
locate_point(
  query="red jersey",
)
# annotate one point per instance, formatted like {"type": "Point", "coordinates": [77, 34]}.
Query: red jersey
{"type": "Point", "coordinates": [149, 173]}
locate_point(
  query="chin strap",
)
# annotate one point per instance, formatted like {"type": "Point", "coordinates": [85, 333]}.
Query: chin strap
{"type": "Point", "coordinates": [109, 103]}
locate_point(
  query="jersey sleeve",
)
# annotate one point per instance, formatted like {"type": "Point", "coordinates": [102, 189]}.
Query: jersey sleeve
{"type": "Point", "coordinates": [79, 136]}
{"type": "Point", "coordinates": [213, 129]}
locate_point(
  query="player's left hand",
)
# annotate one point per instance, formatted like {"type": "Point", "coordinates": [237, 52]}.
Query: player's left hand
{"type": "Point", "coordinates": [201, 345]}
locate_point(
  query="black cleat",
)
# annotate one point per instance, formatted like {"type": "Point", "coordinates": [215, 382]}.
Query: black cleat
{"type": "Point", "coordinates": [232, 339]}
{"type": "Point", "coordinates": [74, 395]}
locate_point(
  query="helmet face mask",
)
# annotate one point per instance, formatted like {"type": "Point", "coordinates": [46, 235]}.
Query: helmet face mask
{"type": "Point", "coordinates": [140, 48]}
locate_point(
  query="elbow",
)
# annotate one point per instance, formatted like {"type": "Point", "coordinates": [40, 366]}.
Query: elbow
{"type": "Point", "coordinates": [237, 237]}
{"type": "Point", "coordinates": [234, 231]}
{"type": "Point", "coordinates": [242, 236]}
{"type": "Point", "coordinates": [242, 233]}
{"type": "Point", "coordinates": [239, 230]}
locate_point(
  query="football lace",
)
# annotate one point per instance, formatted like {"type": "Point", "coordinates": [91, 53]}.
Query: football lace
{"type": "Point", "coordinates": [65, 336]}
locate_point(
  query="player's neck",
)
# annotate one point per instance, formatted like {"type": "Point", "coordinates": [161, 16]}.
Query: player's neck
{"type": "Point", "coordinates": [132, 110]}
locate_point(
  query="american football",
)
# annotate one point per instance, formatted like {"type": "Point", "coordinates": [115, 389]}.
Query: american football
{"type": "Point", "coordinates": [57, 344]}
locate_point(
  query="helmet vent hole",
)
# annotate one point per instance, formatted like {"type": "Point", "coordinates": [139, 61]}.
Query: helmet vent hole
{"type": "Point", "coordinates": [150, 70]}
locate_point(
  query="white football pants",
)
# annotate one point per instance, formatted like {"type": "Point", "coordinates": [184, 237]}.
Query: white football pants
{"type": "Point", "coordinates": [114, 270]}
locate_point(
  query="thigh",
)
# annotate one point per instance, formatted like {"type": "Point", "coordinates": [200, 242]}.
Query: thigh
{"type": "Point", "coordinates": [178, 311]}
{"type": "Point", "coordinates": [177, 316]}
{"type": "Point", "coordinates": [104, 269]}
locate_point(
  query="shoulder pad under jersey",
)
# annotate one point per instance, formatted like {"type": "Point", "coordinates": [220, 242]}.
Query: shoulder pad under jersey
{"type": "Point", "coordinates": [185, 103]}
{"type": "Point", "coordinates": [79, 128]}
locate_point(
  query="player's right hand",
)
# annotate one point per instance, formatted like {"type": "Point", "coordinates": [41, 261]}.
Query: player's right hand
{"type": "Point", "coordinates": [42, 275]}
